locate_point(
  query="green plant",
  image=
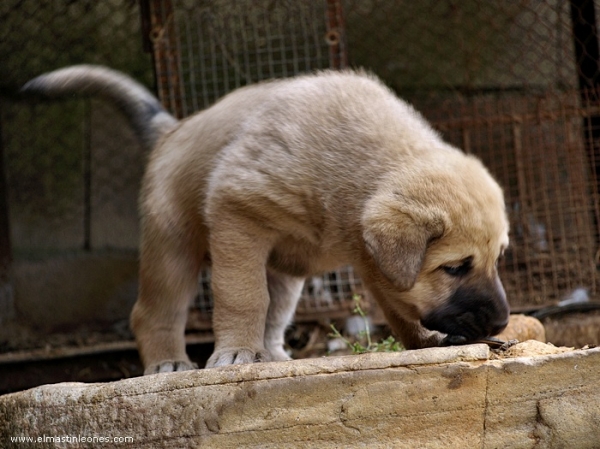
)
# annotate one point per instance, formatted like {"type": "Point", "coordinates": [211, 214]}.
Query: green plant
{"type": "Point", "coordinates": [388, 344]}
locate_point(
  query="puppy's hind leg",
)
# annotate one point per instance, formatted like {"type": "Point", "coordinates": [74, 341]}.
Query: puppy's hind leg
{"type": "Point", "coordinates": [284, 293]}
{"type": "Point", "coordinates": [169, 266]}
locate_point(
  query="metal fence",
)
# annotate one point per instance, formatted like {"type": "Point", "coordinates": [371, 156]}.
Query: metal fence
{"type": "Point", "coordinates": [205, 50]}
{"type": "Point", "coordinates": [513, 82]}
{"type": "Point", "coordinates": [73, 167]}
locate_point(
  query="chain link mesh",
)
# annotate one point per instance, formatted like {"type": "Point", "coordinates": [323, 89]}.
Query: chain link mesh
{"type": "Point", "coordinates": [500, 80]}
{"type": "Point", "coordinates": [56, 203]}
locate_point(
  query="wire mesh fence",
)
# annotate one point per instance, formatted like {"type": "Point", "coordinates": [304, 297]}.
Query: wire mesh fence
{"type": "Point", "coordinates": [73, 167]}
{"type": "Point", "coordinates": [203, 51]}
{"type": "Point", "coordinates": [505, 80]}
{"type": "Point", "coordinates": [535, 147]}
{"type": "Point", "coordinates": [502, 80]}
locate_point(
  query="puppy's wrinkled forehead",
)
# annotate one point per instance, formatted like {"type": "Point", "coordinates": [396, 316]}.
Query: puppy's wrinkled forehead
{"type": "Point", "coordinates": [479, 226]}
{"type": "Point", "coordinates": [482, 247]}
{"type": "Point", "coordinates": [476, 220]}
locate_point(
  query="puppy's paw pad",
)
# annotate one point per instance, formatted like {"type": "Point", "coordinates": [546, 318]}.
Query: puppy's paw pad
{"type": "Point", "coordinates": [238, 356]}
{"type": "Point", "coordinates": [170, 366]}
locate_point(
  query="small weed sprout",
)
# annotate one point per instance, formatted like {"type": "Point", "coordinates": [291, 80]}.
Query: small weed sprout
{"type": "Point", "coordinates": [388, 344]}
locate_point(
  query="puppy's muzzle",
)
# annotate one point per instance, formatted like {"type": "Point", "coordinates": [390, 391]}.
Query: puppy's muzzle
{"type": "Point", "coordinates": [473, 312]}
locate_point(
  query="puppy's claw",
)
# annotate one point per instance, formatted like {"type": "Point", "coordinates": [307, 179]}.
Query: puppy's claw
{"type": "Point", "coordinates": [453, 340]}
{"type": "Point", "coordinates": [492, 342]}
{"type": "Point", "coordinates": [508, 344]}
{"type": "Point", "coordinates": [170, 366]}
{"type": "Point", "coordinates": [238, 356]}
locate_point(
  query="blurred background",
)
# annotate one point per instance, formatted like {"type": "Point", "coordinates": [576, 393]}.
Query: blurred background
{"type": "Point", "coordinates": [515, 82]}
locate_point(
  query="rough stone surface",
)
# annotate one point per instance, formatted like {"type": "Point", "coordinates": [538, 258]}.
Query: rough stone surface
{"type": "Point", "coordinates": [457, 397]}
{"type": "Point", "coordinates": [523, 328]}
{"type": "Point", "coordinates": [532, 348]}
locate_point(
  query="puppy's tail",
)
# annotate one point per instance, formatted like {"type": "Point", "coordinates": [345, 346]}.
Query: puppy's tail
{"type": "Point", "coordinates": [147, 117]}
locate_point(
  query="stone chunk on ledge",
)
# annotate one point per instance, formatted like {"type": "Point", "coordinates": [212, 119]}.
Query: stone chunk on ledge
{"type": "Point", "coordinates": [456, 397]}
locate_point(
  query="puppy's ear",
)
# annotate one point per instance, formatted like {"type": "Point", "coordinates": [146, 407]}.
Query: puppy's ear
{"type": "Point", "coordinates": [397, 240]}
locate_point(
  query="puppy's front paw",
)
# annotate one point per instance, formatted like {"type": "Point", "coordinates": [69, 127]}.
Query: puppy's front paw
{"type": "Point", "coordinates": [169, 366]}
{"type": "Point", "coordinates": [278, 354]}
{"type": "Point", "coordinates": [236, 356]}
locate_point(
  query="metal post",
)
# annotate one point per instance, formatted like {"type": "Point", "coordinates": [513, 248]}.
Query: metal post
{"type": "Point", "coordinates": [87, 175]}
{"type": "Point", "coordinates": [336, 38]}
{"type": "Point", "coordinates": [158, 20]}
{"type": "Point", "coordinates": [6, 297]}
{"type": "Point", "coordinates": [587, 59]}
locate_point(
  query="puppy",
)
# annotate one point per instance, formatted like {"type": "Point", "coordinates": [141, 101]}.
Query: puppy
{"type": "Point", "coordinates": [286, 179]}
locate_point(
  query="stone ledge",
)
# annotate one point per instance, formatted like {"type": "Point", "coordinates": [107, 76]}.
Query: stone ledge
{"type": "Point", "coordinates": [437, 398]}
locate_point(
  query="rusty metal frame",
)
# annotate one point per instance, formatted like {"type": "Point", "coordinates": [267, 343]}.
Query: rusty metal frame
{"type": "Point", "coordinates": [158, 26]}
{"type": "Point", "coordinates": [336, 36]}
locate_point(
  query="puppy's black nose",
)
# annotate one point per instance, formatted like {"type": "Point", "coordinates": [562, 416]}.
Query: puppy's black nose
{"type": "Point", "coordinates": [472, 312]}
{"type": "Point", "coordinates": [497, 328]}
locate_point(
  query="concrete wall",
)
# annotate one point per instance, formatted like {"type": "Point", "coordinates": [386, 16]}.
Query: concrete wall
{"type": "Point", "coordinates": [536, 395]}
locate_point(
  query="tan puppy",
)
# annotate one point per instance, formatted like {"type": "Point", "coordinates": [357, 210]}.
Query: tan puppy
{"type": "Point", "coordinates": [286, 179]}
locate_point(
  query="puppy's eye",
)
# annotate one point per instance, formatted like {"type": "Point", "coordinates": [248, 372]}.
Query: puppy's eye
{"type": "Point", "coordinates": [454, 271]}
{"type": "Point", "coordinates": [458, 270]}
